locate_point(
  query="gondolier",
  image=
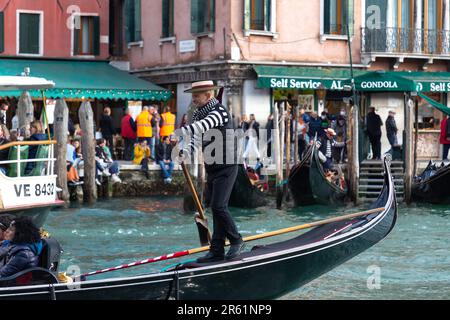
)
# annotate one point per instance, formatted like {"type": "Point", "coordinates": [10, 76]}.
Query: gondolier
{"type": "Point", "coordinates": [221, 169]}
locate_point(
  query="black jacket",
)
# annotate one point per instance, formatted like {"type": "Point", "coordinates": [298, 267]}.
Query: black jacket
{"type": "Point", "coordinates": [21, 257]}
{"type": "Point", "coordinates": [374, 124]}
{"type": "Point", "coordinates": [5, 152]}
{"type": "Point", "coordinates": [391, 126]}
{"type": "Point", "coordinates": [106, 126]}
{"type": "Point", "coordinates": [160, 152]}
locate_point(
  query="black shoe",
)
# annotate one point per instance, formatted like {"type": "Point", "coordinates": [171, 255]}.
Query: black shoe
{"type": "Point", "coordinates": [210, 257]}
{"type": "Point", "coordinates": [235, 250]}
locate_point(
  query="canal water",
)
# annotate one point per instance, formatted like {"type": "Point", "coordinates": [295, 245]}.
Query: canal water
{"type": "Point", "coordinates": [413, 262]}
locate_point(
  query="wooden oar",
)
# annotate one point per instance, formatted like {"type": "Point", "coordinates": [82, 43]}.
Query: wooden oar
{"type": "Point", "coordinates": [250, 238]}
{"type": "Point", "coordinates": [200, 219]}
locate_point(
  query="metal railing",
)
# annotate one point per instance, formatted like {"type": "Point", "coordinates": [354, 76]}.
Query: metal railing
{"type": "Point", "coordinates": [405, 40]}
{"type": "Point", "coordinates": [50, 159]}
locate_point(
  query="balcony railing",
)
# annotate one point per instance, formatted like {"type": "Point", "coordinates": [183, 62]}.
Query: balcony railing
{"type": "Point", "coordinates": [402, 40]}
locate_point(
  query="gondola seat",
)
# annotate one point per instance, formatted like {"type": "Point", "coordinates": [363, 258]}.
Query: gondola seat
{"type": "Point", "coordinates": [44, 273]}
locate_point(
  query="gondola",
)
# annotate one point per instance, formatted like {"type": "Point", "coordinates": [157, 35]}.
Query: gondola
{"type": "Point", "coordinates": [432, 185]}
{"type": "Point", "coordinates": [308, 184]}
{"type": "Point", "coordinates": [298, 180]}
{"type": "Point", "coordinates": [244, 193]}
{"type": "Point", "coordinates": [323, 191]}
{"type": "Point", "coordinates": [264, 272]}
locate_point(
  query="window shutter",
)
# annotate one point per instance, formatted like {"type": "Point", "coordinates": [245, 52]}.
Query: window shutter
{"type": "Point", "coordinates": [267, 15]}
{"type": "Point", "coordinates": [2, 32]}
{"type": "Point", "coordinates": [326, 17]}
{"type": "Point", "coordinates": [129, 17]}
{"type": "Point", "coordinates": [29, 33]}
{"type": "Point", "coordinates": [165, 18]}
{"type": "Point", "coordinates": [96, 36]}
{"type": "Point", "coordinates": [212, 15]}
{"type": "Point", "coordinates": [350, 16]}
{"type": "Point", "coordinates": [137, 21]}
{"type": "Point", "coordinates": [195, 19]}
{"type": "Point", "coordinates": [76, 39]}
{"type": "Point", "coordinates": [33, 29]}
{"type": "Point", "coordinates": [247, 15]}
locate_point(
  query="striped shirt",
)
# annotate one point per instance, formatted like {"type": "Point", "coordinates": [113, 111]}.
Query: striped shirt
{"type": "Point", "coordinates": [205, 118]}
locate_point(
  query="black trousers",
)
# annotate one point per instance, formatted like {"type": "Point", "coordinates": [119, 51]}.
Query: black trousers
{"type": "Point", "coordinates": [128, 149]}
{"type": "Point", "coordinates": [218, 190]}
{"type": "Point", "coordinates": [375, 141]}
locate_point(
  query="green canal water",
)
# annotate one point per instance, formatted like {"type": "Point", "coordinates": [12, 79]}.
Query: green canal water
{"type": "Point", "coordinates": [413, 262]}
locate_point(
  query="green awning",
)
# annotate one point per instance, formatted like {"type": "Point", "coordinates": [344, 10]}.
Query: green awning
{"type": "Point", "coordinates": [303, 78]}
{"type": "Point", "coordinates": [435, 104]}
{"type": "Point", "coordinates": [83, 79]}
{"type": "Point", "coordinates": [383, 81]}
{"type": "Point", "coordinates": [429, 81]}
{"type": "Point", "coordinates": [403, 81]}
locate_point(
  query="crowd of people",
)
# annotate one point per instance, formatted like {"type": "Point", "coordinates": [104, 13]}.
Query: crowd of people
{"type": "Point", "coordinates": [142, 141]}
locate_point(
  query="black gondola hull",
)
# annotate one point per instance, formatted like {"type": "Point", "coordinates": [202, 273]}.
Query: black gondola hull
{"type": "Point", "coordinates": [244, 194]}
{"type": "Point", "coordinates": [434, 190]}
{"type": "Point", "coordinates": [298, 181]}
{"type": "Point", "coordinates": [266, 272]}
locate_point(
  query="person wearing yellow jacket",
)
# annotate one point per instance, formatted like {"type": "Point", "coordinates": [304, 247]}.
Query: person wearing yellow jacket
{"type": "Point", "coordinates": [142, 155]}
{"type": "Point", "coordinates": [144, 124]}
{"type": "Point", "coordinates": [167, 123]}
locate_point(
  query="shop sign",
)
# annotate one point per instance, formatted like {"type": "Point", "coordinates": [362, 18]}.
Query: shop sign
{"type": "Point", "coordinates": [379, 85]}
{"type": "Point", "coordinates": [438, 86]}
{"type": "Point", "coordinates": [286, 83]}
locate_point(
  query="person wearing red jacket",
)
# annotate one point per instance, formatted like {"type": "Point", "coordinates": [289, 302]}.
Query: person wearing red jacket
{"type": "Point", "coordinates": [445, 137]}
{"type": "Point", "coordinates": [128, 131]}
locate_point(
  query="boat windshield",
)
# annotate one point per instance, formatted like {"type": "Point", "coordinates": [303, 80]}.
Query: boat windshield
{"type": "Point", "coordinates": [27, 158]}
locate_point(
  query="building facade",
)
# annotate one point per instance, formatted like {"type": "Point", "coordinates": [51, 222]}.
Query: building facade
{"type": "Point", "coordinates": [68, 42]}
{"type": "Point", "coordinates": [265, 50]}
{"type": "Point", "coordinates": [54, 29]}
{"type": "Point", "coordinates": [188, 41]}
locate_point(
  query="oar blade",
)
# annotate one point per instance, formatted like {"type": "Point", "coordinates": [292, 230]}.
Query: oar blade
{"type": "Point", "coordinates": [203, 231]}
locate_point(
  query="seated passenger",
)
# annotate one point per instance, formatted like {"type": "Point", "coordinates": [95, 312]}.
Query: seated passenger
{"type": "Point", "coordinates": [106, 162]}
{"type": "Point", "coordinates": [164, 158]}
{"type": "Point", "coordinates": [25, 247]}
{"type": "Point", "coordinates": [37, 134]}
{"type": "Point", "coordinates": [5, 221]}
{"type": "Point", "coordinates": [142, 156]}
{"type": "Point", "coordinates": [3, 153]}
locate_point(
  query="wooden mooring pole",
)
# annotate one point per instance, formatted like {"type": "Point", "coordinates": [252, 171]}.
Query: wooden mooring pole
{"type": "Point", "coordinates": [60, 125]}
{"type": "Point", "coordinates": [288, 148]}
{"type": "Point", "coordinates": [25, 113]}
{"type": "Point", "coordinates": [276, 152]}
{"type": "Point", "coordinates": [86, 117]}
{"type": "Point", "coordinates": [296, 123]}
{"type": "Point", "coordinates": [280, 150]}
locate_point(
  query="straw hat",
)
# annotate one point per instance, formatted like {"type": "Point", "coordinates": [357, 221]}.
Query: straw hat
{"type": "Point", "coordinates": [202, 86]}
